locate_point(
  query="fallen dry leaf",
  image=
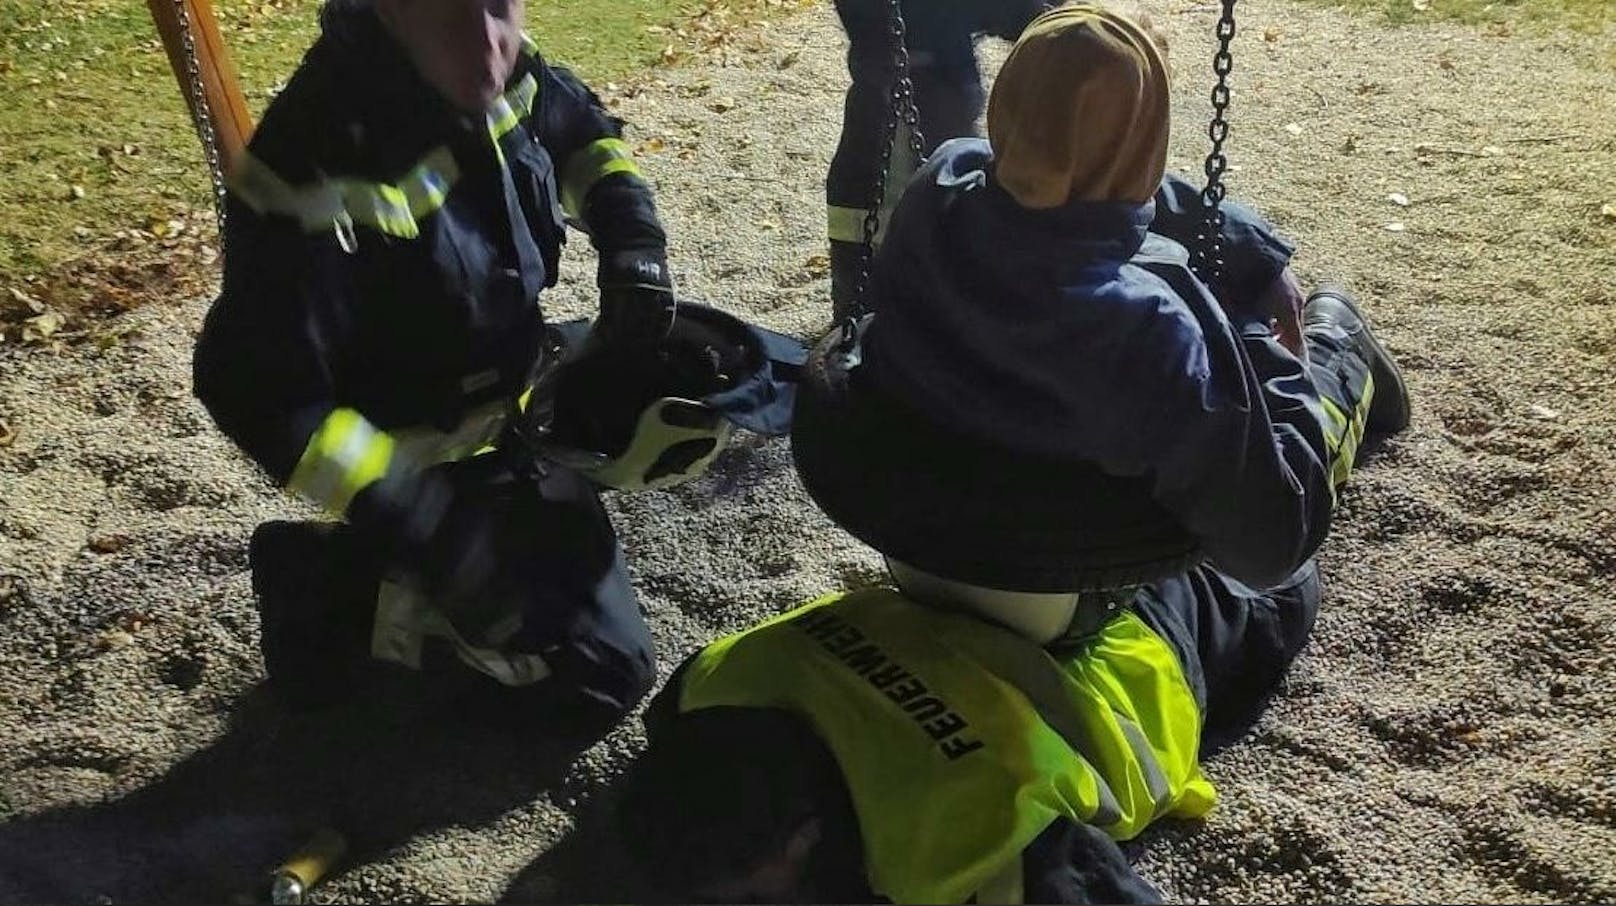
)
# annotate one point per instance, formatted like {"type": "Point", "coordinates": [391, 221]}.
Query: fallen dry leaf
{"type": "Point", "coordinates": [1421, 6]}
{"type": "Point", "coordinates": [1395, 227]}
{"type": "Point", "coordinates": [8, 435]}
{"type": "Point", "coordinates": [1399, 199]}
{"type": "Point", "coordinates": [1543, 412]}
{"type": "Point", "coordinates": [108, 544]}
{"type": "Point", "coordinates": [722, 105]}
{"type": "Point", "coordinates": [1294, 128]}
{"type": "Point", "coordinates": [1608, 212]}
{"type": "Point", "coordinates": [113, 640]}
{"type": "Point", "coordinates": [1271, 34]}
{"type": "Point", "coordinates": [40, 327]}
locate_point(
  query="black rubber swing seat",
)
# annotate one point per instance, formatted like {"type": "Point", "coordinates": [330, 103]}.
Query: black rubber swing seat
{"type": "Point", "coordinates": [975, 512]}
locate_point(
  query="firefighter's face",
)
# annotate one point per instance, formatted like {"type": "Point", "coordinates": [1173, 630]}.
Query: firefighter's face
{"type": "Point", "coordinates": [466, 49]}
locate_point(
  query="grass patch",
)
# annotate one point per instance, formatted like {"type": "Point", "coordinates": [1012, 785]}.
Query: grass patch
{"type": "Point", "coordinates": [1582, 15]}
{"type": "Point", "coordinates": [100, 156]}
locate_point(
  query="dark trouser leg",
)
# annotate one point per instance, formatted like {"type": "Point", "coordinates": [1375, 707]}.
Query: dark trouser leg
{"type": "Point", "coordinates": [948, 95]}
{"type": "Point", "coordinates": [316, 593]}
{"type": "Point", "coordinates": [581, 613]}
{"type": "Point", "coordinates": [1235, 643]}
{"type": "Point", "coordinates": [1342, 377]}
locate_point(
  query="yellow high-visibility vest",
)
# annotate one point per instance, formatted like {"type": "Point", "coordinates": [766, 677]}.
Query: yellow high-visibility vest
{"type": "Point", "coordinates": [961, 741]}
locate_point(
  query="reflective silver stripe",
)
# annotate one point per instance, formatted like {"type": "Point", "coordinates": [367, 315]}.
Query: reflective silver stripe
{"type": "Point", "coordinates": [394, 209]}
{"type": "Point", "coordinates": [343, 457]}
{"type": "Point", "coordinates": [1006, 886]}
{"type": "Point", "coordinates": [428, 446]}
{"type": "Point", "coordinates": [1161, 792]}
{"type": "Point", "coordinates": [845, 224]}
{"type": "Point", "coordinates": [1042, 681]}
{"type": "Point", "coordinates": [405, 619]}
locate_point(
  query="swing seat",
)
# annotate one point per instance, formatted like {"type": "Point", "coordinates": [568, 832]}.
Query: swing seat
{"type": "Point", "coordinates": [963, 509]}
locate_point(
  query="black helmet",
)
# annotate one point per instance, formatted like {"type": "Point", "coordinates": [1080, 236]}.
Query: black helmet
{"type": "Point", "coordinates": [636, 417]}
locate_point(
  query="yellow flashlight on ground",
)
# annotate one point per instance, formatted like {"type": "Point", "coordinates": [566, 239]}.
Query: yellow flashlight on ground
{"type": "Point", "coordinates": [307, 867]}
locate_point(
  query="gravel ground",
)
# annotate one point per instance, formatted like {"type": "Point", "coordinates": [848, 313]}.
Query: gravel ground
{"type": "Point", "coordinates": [1449, 736]}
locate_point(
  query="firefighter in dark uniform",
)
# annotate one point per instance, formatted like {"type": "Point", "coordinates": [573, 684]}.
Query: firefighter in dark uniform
{"type": "Point", "coordinates": [941, 37]}
{"type": "Point", "coordinates": [390, 231]}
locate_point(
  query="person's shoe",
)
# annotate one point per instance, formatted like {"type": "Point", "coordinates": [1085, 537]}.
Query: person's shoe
{"type": "Point", "coordinates": [1332, 306]}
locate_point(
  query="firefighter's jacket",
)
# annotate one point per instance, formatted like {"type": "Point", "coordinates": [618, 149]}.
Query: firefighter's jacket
{"type": "Point", "coordinates": [965, 747]}
{"type": "Point", "coordinates": [384, 257]}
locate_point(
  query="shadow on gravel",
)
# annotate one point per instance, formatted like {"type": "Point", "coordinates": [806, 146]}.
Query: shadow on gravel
{"type": "Point", "coordinates": [380, 770]}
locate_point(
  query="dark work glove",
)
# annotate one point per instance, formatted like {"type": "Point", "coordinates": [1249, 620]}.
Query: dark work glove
{"type": "Point", "coordinates": [636, 298]}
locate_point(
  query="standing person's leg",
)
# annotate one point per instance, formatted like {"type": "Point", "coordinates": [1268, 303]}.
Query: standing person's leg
{"type": "Point", "coordinates": [1235, 643]}
{"type": "Point", "coordinates": [856, 164]}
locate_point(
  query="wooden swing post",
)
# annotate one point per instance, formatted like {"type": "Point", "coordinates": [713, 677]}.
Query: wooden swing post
{"type": "Point", "coordinates": [227, 109]}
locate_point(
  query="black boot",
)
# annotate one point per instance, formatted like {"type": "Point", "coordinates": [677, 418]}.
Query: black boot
{"type": "Point", "coordinates": [316, 600]}
{"type": "Point", "coordinates": [1332, 307]}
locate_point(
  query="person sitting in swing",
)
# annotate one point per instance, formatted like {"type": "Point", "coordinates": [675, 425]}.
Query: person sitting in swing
{"type": "Point", "coordinates": [1098, 485]}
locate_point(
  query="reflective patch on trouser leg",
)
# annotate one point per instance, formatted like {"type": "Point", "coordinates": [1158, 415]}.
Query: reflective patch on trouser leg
{"type": "Point", "coordinates": [1344, 433]}
{"type": "Point", "coordinates": [405, 619]}
{"type": "Point", "coordinates": [398, 632]}
{"type": "Point", "coordinates": [1346, 389]}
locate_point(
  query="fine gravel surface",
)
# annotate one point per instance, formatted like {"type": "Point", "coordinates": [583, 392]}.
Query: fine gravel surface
{"type": "Point", "coordinates": [1449, 735]}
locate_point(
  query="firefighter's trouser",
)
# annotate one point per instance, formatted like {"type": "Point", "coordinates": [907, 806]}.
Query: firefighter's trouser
{"type": "Point", "coordinates": [1237, 642]}
{"type": "Point", "coordinates": [331, 612]}
{"type": "Point", "coordinates": [949, 98]}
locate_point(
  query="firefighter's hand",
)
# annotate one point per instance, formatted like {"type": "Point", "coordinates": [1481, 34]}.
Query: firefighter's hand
{"type": "Point", "coordinates": [636, 298]}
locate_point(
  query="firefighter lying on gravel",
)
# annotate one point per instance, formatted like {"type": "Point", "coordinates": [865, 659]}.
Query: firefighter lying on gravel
{"type": "Point", "coordinates": [1044, 402]}
{"type": "Point", "coordinates": [941, 36]}
{"type": "Point", "coordinates": [398, 214]}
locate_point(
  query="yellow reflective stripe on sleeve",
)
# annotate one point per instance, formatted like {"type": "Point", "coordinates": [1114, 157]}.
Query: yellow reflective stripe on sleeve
{"type": "Point", "coordinates": [1344, 433]}
{"type": "Point", "coordinates": [589, 165]}
{"type": "Point", "coordinates": [345, 455]}
{"type": "Point", "coordinates": [1008, 886]}
{"type": "Point", "coordinates": [509, 109]}
{"type": "Point", "coordinates": [391, 208]}
{"type": "Point", "coordinates": [529, 46]}
{"type": "Point", "coordinates": [845, 224]}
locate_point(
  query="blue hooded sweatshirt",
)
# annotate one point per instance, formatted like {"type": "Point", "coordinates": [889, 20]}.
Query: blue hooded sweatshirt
{"type": "Point", "coordinates": [1080, 332]}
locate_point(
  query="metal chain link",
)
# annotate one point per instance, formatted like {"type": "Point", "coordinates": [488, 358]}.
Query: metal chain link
{"type": "Point", "coordinates": [202, 114]}
{"type": "Point", "coordinates": [901, 109]}
{"type": "Point", "coordinates": [1208, 260]}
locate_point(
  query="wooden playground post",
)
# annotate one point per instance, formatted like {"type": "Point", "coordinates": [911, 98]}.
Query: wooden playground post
{"type": "Point", "coordinates": [232, 124]}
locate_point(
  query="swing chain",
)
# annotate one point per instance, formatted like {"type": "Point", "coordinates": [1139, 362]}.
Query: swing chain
{"type": "Point", "coordinates": [901, 109]}
{"type": "Point", "coordinates": [1208, 264]}
{"type": "Point", "coordinates": [202, 114]}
